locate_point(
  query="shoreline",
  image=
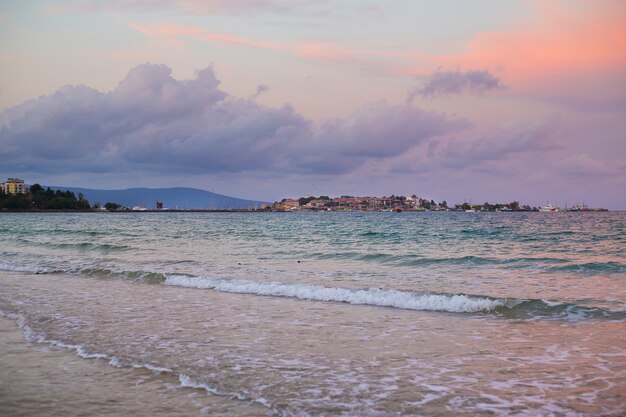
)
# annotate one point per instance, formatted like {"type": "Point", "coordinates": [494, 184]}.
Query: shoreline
{"type": "Point", "coordinates": [38, 379]}
{"type": "Point", "coordinates": [293, 211]}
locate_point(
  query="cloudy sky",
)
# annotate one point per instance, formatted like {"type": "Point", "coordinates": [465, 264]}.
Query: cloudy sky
{"type": "Point", "coordinates": [475, 101]}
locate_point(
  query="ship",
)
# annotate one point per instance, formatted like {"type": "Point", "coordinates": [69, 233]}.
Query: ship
{"type": "Point", "coordinates": [549, 207]}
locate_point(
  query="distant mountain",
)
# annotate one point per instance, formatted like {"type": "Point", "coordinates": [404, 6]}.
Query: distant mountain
{"type": "Point", "coordinates": [177, 197]}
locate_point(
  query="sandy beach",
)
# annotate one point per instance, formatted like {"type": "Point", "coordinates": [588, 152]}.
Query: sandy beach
{"type": "Point", "coordinates": [39, 380]}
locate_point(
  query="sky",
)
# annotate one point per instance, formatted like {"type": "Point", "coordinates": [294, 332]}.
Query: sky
{"type": "Point", "coordinates": [460, 101]}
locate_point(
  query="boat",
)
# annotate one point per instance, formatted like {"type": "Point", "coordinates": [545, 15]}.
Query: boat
{"type": "Point", "coordinates": [549, 207]}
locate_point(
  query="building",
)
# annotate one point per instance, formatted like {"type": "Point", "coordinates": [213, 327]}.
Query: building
{"type": "Point", "coordinates": [14, 186]}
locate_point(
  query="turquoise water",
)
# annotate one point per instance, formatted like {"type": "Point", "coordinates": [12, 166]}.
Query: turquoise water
{"type": "Point", "coordinates": [472, 281]}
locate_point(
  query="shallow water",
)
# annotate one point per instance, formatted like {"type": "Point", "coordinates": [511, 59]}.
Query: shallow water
{"type": "Point", "coordinates": [364, 314]}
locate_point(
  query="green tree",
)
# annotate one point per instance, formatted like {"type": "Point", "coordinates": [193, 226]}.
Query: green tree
{"type": "Point", "coordinates": [36, 188]}
{"type": "Point", "coordinates": [112, 206]}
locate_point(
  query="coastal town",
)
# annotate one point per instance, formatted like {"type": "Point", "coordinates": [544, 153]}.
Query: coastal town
{"type": "Point", "coordinates": [406, 203]}
{"type": "Point", "coordinates": [16, 195]}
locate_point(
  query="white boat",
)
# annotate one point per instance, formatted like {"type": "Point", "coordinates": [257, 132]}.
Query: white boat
{"type": "Point", "coordinates": [549, 207]}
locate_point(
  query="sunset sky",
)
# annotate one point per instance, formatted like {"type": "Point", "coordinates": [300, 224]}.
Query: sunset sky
{"type": "Point", "coordinates": [483, 100]}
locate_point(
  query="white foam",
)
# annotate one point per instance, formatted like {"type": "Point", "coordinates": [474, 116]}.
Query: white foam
{"type": "Point", "coordinates": [115, 362]}
{"type": "Point", "coordinates": [188, 382]}
{"type": "Point", "coordinates": [155, 369]}
{"type": "Point", "coordinates": [24, 268]}
{"type": "Point", "coordinates": [31, 336]}
{"type": "Point", "coordinates": [377, 297]}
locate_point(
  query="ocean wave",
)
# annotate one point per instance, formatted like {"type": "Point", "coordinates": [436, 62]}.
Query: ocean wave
{"type": "Point", "coordinates": [535, 309]}
{"type": "Point", "coordinates": [404, 259]}
{"type": "Point", "coordinates": [370, 234]}
{"type": "Point", "coordinates": [70, 232]}
{"type": "Point", "coordinates": [81, 246]}
{"type": "Point", "coordinates": [456, 303]}
{"type": "Point", "coordinates": [141, 276]}
{"type": "Point", "coordinates": [27, 268]}
{"type": "Point", "coordinates": [417, 260]}
{"type": "Point", "coordinates": [522, 309]}
{"type": "Point", "coordinates": [591, 267]}
{"type": "Point", "coordinates": [89, 246]}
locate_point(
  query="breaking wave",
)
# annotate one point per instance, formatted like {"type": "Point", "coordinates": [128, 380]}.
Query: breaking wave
{"type": "Point", "coordinates": [458, 303]}
{"type": "Point", "coordinates": [453, 303]}
{"type": "Point", "coordinates": [24, 268]}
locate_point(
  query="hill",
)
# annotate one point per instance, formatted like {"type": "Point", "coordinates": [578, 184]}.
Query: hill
{"type": "Point", "coordinates": [177, 197]}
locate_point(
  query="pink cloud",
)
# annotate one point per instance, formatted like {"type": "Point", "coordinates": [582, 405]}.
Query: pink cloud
{"type": "Point", "coordinates": [564, 45]}
{"type": "Point", "coordinates": [374, 60]}
{"type": "Point", "coordinates": [175, 32]}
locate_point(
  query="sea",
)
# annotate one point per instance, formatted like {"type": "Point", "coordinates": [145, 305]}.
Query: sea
{"type": "Point", "coordinates": [313, 314]}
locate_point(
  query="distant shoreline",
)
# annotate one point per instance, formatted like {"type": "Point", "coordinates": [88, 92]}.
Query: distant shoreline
{"type": "Point", "coordinates": [139, 211]}
{"type": "Point", "coordinates": [284, 211]}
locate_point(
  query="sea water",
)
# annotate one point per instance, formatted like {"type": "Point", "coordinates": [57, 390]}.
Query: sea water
{"type": "Point", "coordinates": [322, 314]}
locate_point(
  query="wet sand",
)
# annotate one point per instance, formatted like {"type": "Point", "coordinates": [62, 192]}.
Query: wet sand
{"type": "Point", "coordinates": [39, 380]}
{"type": "Point", "coordinates": [267, 350]}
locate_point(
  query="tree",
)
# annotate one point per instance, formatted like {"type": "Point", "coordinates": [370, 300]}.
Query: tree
{"type": "Point", "coordinates": [38, 198]}
{"type": "Point", "coordinates": [15, 202]}
{"type": "Point", "coordinates": [112, 206]}
{"type": "Point", "coordinates": [82, 203]}
{"type": "Point", "coordinates": [36, 188]}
